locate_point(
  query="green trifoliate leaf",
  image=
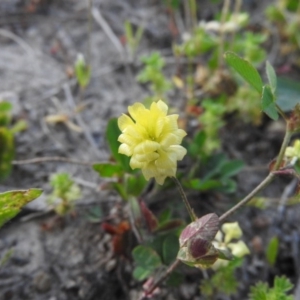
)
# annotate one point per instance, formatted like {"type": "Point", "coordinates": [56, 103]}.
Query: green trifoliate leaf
{"type": "Point", "coordinates": [245, 69]}
{"type": "Point", "coordinates": [271, 76]}
{"type": "Point", "coordinates": [268, 103]}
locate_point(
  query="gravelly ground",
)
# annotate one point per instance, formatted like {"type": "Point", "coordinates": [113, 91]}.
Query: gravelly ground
{"type": "Point", "coordinates": [54, 259]}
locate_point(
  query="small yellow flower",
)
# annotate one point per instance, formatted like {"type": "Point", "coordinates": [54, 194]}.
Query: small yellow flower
{"type": "Point", "coordinates": [152, 139]}
{"type": "Point", "coordinates": [232, 231]}
{"type": "Point", "coordinates": [239, 249]}
{"type": "Point", "coordinates": [294, 151]}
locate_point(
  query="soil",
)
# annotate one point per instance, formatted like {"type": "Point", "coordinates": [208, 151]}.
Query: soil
{"type": "Point", "coordinates": [57, 258]}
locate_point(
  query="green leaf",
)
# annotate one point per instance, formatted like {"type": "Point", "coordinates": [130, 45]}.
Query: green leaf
{"type": "Point", "coordinates": [282, 285]}
{"type": "Point", "coordinates": [112, 135]}
{"type": "Point", "coordinates": [7, 151]}
{"type": "Point", "coordinates": [119, 187]}
{"type": "Point", "coordinates": [231, 168]}
{"type": "Point", "coordinates": [82, 71]}
{"type": "Point", "coordinates": [245, 69]}
{"type": "Point", "coordinates": [108, 170]}
{"type": "Point", "coordinates": [175, 279]}
{"type": "Point", "coordinates": [288, 91]}
{"type": "Point", "coordinates": [11, 202]}
{"type": "Point", "coordinates": [135, 184]}
{"type": "Point", "coordinates": [169, 225]}
{"type": "Point", "coordinates": [165, 215]}
{"type": "Point", "coordinates": [140, 273]}
{"type": "Point", "coordinates": [203, 185]}
{"type": "Point", "coordinates": [272, 250]}
{"type": "Point", "coordinates": [146, 257]}
{"type": "Point", "coordinates": [271, 76]}
{"type": "Point", "coordinates": [170, 249]}
{"type": "Point", "coordinates": [268, 103]}
{"type": "Point", "coordinates": [5, 106]}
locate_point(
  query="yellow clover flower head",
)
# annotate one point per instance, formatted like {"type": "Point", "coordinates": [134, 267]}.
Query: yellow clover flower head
{"type": "Point", "coordinates": [239, 248]}
{"type": "Point", "coordinates": [152, 139]}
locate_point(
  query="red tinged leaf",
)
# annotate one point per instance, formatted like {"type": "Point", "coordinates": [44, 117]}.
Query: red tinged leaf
{"type": "Point", "coordinates": [205, 227]}
{"type": "Point", "coordinates": [120, 240]}
{"type": "Point", "coordinates": [150, 219]}
{"type": "Point", "coordinates": [109, 228]}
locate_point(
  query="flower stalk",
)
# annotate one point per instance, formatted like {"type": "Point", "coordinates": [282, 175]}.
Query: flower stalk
{"type": "Point", "coordinates": [185, 200]}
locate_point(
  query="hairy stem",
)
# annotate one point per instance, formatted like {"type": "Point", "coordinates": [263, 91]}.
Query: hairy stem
{"type": "Point", "coordinates": [185, 200]}
{"type": "Point", "coordinates": [162, 278]}
{"type": "Point", "coordinates": [262, 185]}
{"type": "Point", "coordinates": [285, 143]}
{"type": "Point", "coordinates": [266, 181]}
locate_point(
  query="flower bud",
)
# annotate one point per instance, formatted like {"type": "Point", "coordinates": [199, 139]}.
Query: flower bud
{"type": "Point", "coordinates": [196, 248]}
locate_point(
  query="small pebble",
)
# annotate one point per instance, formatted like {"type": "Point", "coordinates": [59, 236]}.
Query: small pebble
{"type": "Point", "coordinates": [42, 282]}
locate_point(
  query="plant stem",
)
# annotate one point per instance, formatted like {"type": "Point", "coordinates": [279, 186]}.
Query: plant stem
{"type": "Point", "coordinates": [286, 140]}
{"type": "Point", "coordinates": [89, 24]}
{"type": "Point", "coordinates": [262, 185]}
{"type": "Point", "coordinates": [266, 181]}
{"type": "Point", "coordinates": [281, 112]}
{"type": "Point", "coordinates": [222, 33]}
{"type": "Point", "coordinates": [161, 279]}
{"type": "Point", "coordinates": [44, 159]}
{"type": "Point", "coordinates": [185, 200]}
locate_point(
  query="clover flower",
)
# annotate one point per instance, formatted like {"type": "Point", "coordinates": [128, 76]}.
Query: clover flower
{"type": "Point", "coordinates": [152, 139]}
{"type": "Point", "coordinates": [238, 248]}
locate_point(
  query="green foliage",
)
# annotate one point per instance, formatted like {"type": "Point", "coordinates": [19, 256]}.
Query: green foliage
{"type": "Point", "coordinates": [133, 39]}
{"type": "Point", "coordinates": [272, 78]}
{"type": "Point", "coordinates": [5, 257]}
{"type": "Point", "coordinates": [202, 41]}
{"type": "Point", "coordinates": [5, 113]}
{"type": "Point", "coordinates": [248, 44]}
{"type": "Point", "coordinates": [288, 91]}
{"type": "Point", "coordinates": [130, 182]}
{"type": "Point", "coordinates": [199, 43]}
{"type": "Point", "coordinates": [112, 134]}
{"type": "Point", "coordinates": [251, 75]}
{"type": "Point", "coordinates": [272, 250]}
{"type": "Point", "coordinates": [7, 151]}
{"type": "Point", "coordinates": [244, 69]}
{"type": "Point", "coordinates": [146, 260]}
{"type": "Point", "coordinates": [174, 4]}
{"type": "Point", "coordinates": [223, 281]}
{"type": "Point", "coordinates": [261, 291]}
{"type": "Point", "coordinates": [268, 103]}
{"type": "Point", "coordinates": [285, 14]}
{"type": "Point", "coordinates": [246, 105]}
{"type": "Point", "coordinates": [64, 193]}
{"type": "Point", "coordinates": [211, 122]}
{"type": "Point", "coordinates": [152, 73]}
{"type": "Point", "coordinates": [82, 72]}
{"type": "Point", "coordinates": [7, 131]}
{"type": "Point", "coordinates": [217, 171]}
{"type": "Point", "coordinates": [11, 202]}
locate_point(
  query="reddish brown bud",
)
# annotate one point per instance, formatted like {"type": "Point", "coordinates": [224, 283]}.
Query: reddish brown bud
{"type": "Point", "coordinates": [195, 241]}
{"type": "Point", "coordinates": [206, 227]}
{"type": "Point", "coordinates": [150, 219]}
